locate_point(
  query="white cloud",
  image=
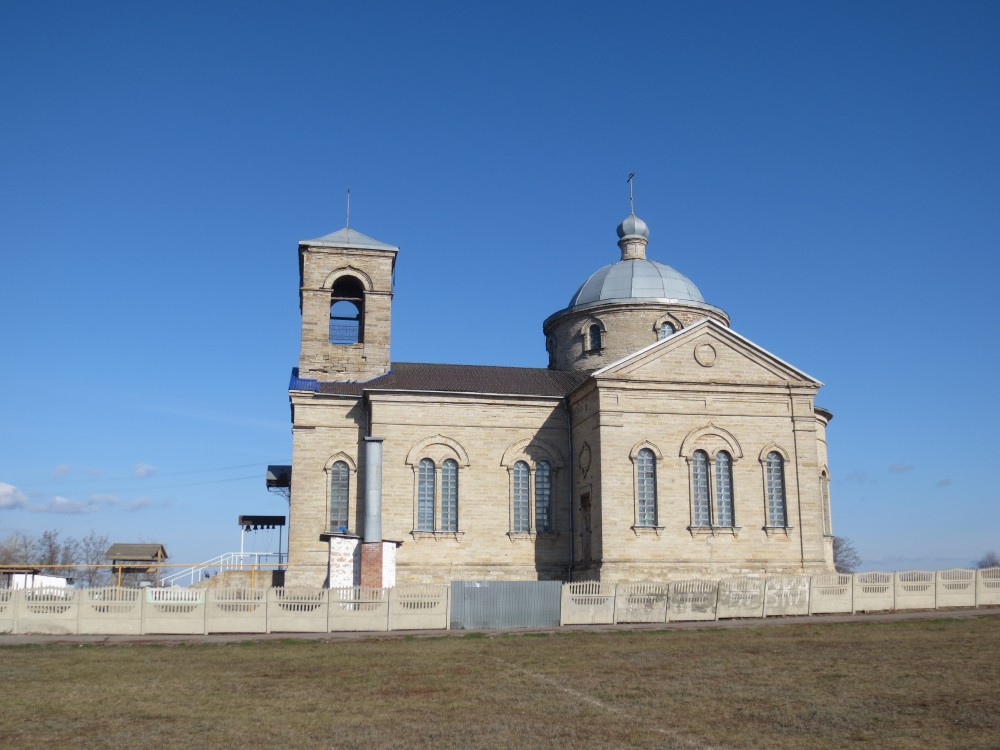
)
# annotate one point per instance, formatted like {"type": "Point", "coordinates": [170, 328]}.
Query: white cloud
{"type": "Point", "coordinates": [64, 470]}
{"type": "Point", "coordinates": [139, 504]}
{"type": "Point", "coordinates": [900, 468]}
{"type": "Point", "coordinates": [143, 470]}
{"type": "Point", "coordinates": [11, 498]}
{"type": "Point", "coordinates": [59, 504]}
{"type": "Point", "coordinates": [104, 500]}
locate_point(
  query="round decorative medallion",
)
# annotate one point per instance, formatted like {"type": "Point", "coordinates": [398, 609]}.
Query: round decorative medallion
{"type": "Point", "coordinates": [704, 355]}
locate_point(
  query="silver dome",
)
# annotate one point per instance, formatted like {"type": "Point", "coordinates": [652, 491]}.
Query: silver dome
{"type": "Point", "coordinates": [637, 279]}
{"type": "Point", "coordinates": [633, 226]}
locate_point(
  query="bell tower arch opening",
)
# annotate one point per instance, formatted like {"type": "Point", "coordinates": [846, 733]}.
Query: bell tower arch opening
{"type": "Point", "coordinates": [347, 311]}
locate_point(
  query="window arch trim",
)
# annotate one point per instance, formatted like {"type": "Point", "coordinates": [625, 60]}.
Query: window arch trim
{"type": "Point", "coordinates": [436, 454]}
{"type": "Point", "coordinates": [334, 276]}
{"type": "Point", "coordinates": [438, 447]}
{"type": "Point", "coordinates": [706, 500]}
{"type": "Point", "coordinates": [711, 438]}
{"type": "Point", "coordinates": [590, 326]}
{"type": "Point", "coordinates": [523, 460]}
{"type": "Point", "coordinates": [338, 507]}
{"type": "Point", "coordinates": [664, 320]}
{"type": "Point", "coordinates": [786, 461]}
{"type": "Point", "coordinates": [647, 519]}
{"type": "Point", "coordinates": [532, 450]}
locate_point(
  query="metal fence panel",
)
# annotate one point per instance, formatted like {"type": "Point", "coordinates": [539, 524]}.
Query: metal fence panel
{"type": "Point", "coordinates": [504, 604]}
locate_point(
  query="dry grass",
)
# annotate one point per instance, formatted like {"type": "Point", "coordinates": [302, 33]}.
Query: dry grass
{"type": "Point", "coordinates": [932, 683]}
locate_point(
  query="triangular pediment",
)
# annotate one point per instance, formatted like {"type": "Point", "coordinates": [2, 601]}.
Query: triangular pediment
{"type": "Point", "coordinates": [706, 352]}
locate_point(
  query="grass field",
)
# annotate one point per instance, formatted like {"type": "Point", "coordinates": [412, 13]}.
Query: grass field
{"type": "Point", "coordinates": [920, 684]}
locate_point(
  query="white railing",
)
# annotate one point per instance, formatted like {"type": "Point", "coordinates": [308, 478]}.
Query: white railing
{"type": "Point", "coordinates": [225, 561]}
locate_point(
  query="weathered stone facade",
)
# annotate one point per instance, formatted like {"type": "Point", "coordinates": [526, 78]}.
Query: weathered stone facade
{"type": "Point", "coordinates": [647, 452]}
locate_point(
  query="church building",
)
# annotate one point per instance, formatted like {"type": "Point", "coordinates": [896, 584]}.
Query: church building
{"type": "Point", "coordinates": [658, 444]}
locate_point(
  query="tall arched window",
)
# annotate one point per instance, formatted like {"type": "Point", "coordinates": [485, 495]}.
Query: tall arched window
{"type": "Point", "coordinates": [699, 489]}
{"type": "Point", "coordinates": [340, 475]}
{"type": "Point", "coordinates": [776, 490]}
{"type": "Point", "coordinates": [646, 489]}
{"type": "Point", "coordinates": [347, 308]}
{"type": "Point", "coordinates": [723, 489]}
{"type": "Point", "coordinates": [667, 329]}
{"type": "Point", "coordinates": [543, 497]}
{"type": "Point", "coordinates": [594, 338]}
{"type": "Point", "coordinates": [425, 495]}
{"type": "Point", "coordinates": [449, 495]}
{"type": "Point", "coordinates": [522, 499]}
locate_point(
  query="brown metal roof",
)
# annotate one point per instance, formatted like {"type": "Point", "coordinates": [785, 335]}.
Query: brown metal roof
{"type": "Point", "coordinates": [136, 552]}
{"type": "Point", "coordinates": [513, 381]}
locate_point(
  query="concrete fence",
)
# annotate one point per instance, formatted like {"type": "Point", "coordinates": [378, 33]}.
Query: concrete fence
{"type": "Point", "coordinates": [176, 611]}
{"type": "Point", "coordinates": [778, 596]}
{"type": "Point", "coordinates": [179, 611]}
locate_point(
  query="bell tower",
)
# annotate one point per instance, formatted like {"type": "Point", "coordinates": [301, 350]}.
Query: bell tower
{"type": "Point", "coordinates": [345, 297]}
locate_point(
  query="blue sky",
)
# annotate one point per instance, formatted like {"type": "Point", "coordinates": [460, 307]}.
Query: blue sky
{"type": "Point", "coordinates": [828, 173]}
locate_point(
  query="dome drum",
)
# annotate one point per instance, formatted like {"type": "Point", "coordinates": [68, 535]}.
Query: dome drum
{"type": "Point", "coordinates": [625, 300]}
{"type": "Point", "coordinates": [624, 327]}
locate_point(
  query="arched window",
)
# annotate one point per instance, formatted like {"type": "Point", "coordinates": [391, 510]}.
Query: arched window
{"type": "Point", "coordinates": [723, 489]}
{"type": "Point", "coordinates": [425, 495]}
{"type": "Point", "coordinates": [449, 495]}
{"type": "Point", "coordinates": [340, 475]}
{"type": "Point", "coordinates": [646, 487]}
{"type": "Point", "coordinates": [667, 329]}
{"type": "Point", "coordinates": [543, 496]}
{"type": "Point", "coordinates": [347, 308]}
{"type": "Point", "coordinates": [776, 490]}
{"type": "Point", "coordinates": [594, 338]}
{"type": "Point", "coordinates": [522, 499]}
{"type": "Point", "coordinates": [532, 482]}
{"type": "Point", "coordinates": [699, 489]}
{"type": "Point", "coordinates": [550, 347]}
